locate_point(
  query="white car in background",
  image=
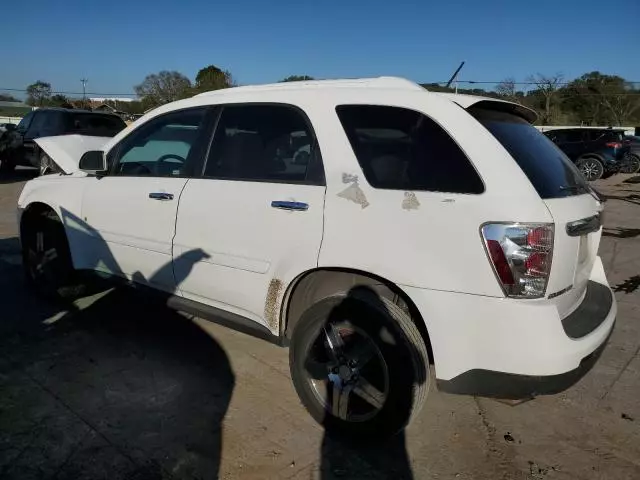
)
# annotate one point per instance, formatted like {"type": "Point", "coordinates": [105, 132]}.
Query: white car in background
{"type": "Point", "coordinates": [372, 226]}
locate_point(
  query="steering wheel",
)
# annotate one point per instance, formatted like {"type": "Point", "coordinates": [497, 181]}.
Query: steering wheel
{"type": "Point", "coordinates": [169, 156]}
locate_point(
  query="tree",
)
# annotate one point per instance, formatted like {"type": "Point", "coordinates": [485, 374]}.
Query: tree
{"type": "Point", "coordinates": [59, 100]}
{"type": "Point", "coordinates": [297, 78]}
{"type": "Point", "coordinates": [5, 97]}
{"type": "Point", "coordinates": [163, 87]}
{"type": "Point", "coordinates": [212, 78]}
{"type": "Point", "coordinates": [547, 88]}
{"type": "Point", "coordinates": [507, 90]}
{"type": "Point", "coordinates": [38, 93]}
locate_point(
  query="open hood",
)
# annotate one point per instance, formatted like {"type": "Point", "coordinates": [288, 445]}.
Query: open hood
{"type": "Point", "coordinates": [66, 150]}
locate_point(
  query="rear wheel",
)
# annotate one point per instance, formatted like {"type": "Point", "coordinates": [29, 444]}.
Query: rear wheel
{"type": "Point", "coordinates": [359, 365]}
{"type": "Point", "coordinates": [631, 164]}
{"type": "Point", "coordinates": [591, 168]}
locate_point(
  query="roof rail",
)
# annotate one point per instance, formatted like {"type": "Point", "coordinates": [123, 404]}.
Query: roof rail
{"type": "Point", "coordinates": [376, 82]}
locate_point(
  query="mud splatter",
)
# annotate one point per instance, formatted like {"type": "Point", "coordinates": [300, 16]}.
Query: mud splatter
{"type": "Point", "coordinates": [271, 304]}
{"type": "Point", "coordinates": [410, 201]}
{"type": "Point", "coordinates": [353, 192]}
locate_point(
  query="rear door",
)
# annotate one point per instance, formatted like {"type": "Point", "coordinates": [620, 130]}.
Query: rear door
{"type": "Point", "coordinates": [573, 205]}
{"type": "Point", "coordinates": [254, 220]}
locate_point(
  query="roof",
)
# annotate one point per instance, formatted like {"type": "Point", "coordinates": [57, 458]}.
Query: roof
{"type": "Point", "coordinates": [378, 82]}
{"type": "Point", "coordinates": [74, 110]}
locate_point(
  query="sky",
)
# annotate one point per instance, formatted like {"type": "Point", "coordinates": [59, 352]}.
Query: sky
{"type": "Point", "coordinates": [115, 44]}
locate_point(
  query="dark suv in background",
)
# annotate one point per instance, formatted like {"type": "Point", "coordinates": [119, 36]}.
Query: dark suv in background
{"type": "Point", "coordinates": [18, 148]}
{"type": "Point", "coordinates": [597, 152]}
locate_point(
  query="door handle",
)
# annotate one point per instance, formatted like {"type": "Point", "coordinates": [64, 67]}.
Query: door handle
{"type": "Point", "coordinates": [161, 196]}
{"type": "Point", "coordinates": [286, 205]}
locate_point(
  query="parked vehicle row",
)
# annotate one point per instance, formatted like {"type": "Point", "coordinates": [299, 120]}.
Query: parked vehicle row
{"type": "Point", "coordinates": [18, 147]}
{"type": "Point", "coordinates": [374, 227]}
{"type": "Point", "coordinates": [597, 152]}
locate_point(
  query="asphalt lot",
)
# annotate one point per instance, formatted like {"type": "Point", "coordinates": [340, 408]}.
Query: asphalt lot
{"type": "Point", "coordinates": [119, 387]}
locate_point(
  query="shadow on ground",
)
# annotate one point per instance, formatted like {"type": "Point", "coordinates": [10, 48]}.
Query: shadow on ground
{"type": "Point", "coordinates": [121, 387]}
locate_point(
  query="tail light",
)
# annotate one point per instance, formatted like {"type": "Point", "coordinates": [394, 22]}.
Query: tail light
{"type": "Point", "coordinates": [613, 144]}
{"type": "Point", "coordinates": [521, 255]}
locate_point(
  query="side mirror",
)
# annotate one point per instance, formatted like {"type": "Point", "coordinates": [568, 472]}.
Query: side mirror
{"type": "Point", "coordinates": [93, 162]}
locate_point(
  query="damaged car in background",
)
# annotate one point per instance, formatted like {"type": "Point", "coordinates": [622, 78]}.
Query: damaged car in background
{"type": "Point", "coordinates": [390, 236]}
{"type": "Point", "coordinates": [19, 145]}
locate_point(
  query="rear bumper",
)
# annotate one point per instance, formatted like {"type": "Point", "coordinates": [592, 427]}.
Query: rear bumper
{"type": "Point", "coordinates": [482, 343]}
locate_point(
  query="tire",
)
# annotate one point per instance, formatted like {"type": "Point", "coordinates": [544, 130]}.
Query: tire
{"type": "Point", "coordinates": [47, 259]}
{"type": "Point", "coordinates": [631, 164]}
{"type": "Point", "coordinates": [591, 168]}
{"type": "Point", "coordinates": [377, 345]}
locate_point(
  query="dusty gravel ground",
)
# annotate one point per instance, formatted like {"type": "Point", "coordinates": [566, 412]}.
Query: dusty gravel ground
{"type": "Point", "coordinates": [119, 387]}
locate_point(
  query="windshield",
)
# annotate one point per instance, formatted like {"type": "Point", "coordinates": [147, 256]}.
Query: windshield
{"type": "Point", "coordinates": [549, 170]}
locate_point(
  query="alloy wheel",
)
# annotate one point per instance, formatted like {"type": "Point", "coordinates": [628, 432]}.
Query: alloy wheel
{"type": "Point", "coordinates": [591, 169]}
{"type": "Point", "coordinates": [347, 372]}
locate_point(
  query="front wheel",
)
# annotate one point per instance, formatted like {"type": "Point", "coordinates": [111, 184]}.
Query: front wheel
{"type": "Point", "coordinates": [7, 166]}
{"type": "Point", "coordinates": [591, 168]}
{"type": "Point", "coordinates": [46, 257]}
{"type": "Point", "coordinates": [359, 365]}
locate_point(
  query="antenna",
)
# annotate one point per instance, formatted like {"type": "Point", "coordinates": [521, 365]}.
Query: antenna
{"type": "Point", "coordinates": [455, 74]}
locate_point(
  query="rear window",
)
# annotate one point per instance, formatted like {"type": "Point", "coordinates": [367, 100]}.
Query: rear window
{"type": "Point", "coordinates": [96, 124]}
{"type": "Point", "coordinates": [401, 149]}
{"type": "Point", "coordinates": [549, 170]}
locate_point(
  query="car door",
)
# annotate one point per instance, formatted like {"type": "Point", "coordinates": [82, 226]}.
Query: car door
{"type": "Point", "coordinates": [255, 216]}
{"type": "Point", "coordinates": [130, 213]}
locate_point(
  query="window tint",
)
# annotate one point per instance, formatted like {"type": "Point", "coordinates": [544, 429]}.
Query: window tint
{"type": "Point", "coordinates": [565, 136]}
{"type": "Point", "coordinates": [549, 170]}
{"type": "Point", "coordinates": [24, 124]}
{"type": "Point", "coordinates": [264, 143]}
{"type": "Point", "coordinates": [96, 124]}
{"type": "Point", "coordinates": [38, 124]}
{"type": "Point", "coordinates": [163, 147]}
{"type": "Point", "coordinates": [402, 149]}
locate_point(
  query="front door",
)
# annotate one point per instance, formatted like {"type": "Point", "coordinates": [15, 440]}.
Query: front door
{"type": "Point", "coordinates": [130, 214]}
{"type": "Point", "coordinates": [255, 219]}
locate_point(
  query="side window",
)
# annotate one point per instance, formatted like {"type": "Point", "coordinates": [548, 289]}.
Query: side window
{"type": "Point", "coordinates": [161, 148]}
{"type": "Point", "coordinates": [96, 124]}
{"type": "Point", "coordinates": [264, 143]}
{"type": "Point", "coordinates": [401, 149]}
{"type": "Point", "coordinates": [52, 123]}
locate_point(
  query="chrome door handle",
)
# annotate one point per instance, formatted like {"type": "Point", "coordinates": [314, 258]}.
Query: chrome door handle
{"type": "Point", "coordinates": [161, 196]}
{"type": "Point", "coordinates": [285, 205]}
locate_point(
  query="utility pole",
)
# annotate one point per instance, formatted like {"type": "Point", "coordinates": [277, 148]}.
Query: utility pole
{"type": "Point", "coordinates": [455, 77]}
{"type": "Point", "coordinates": [84, 92]}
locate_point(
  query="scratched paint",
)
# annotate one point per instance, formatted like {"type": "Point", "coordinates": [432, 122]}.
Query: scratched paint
{"type": "Point", "coordinates": [353, 192]}
{"type": "Point", "coordinates": [410, 201]}
{"type": "Point", "coordinates": [271, 304]}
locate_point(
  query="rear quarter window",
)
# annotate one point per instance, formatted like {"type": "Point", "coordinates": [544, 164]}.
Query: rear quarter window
{"type": "Point", "coordinates": [96, 124]}
{"type": "Point", "coordinates": [401, 149]}
{"type": "Point", "coordinates": [548, 169]}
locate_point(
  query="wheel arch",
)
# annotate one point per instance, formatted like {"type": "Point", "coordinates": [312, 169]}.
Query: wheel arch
{"type": "Point", "coordinates": [317, 284]}
{"type": "Point", "coordinates": [32, 211]}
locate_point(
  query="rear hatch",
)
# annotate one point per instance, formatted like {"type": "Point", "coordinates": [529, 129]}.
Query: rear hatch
{"type": "Point", "coordinates": [575, 207]}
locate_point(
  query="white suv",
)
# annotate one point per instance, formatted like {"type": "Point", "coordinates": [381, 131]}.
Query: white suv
{"type": "Point", "coordinates": [372, 226]}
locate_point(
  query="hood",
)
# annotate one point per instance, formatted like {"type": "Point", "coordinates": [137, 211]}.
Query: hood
{"type": "Point", "coordinates": [66, 150]}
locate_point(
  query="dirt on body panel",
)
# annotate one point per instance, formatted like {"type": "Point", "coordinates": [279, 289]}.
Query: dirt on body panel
{"type": "Point", "coordinates": [410, 201]}
{"type": "Point", "coordinates": [272, 303]}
